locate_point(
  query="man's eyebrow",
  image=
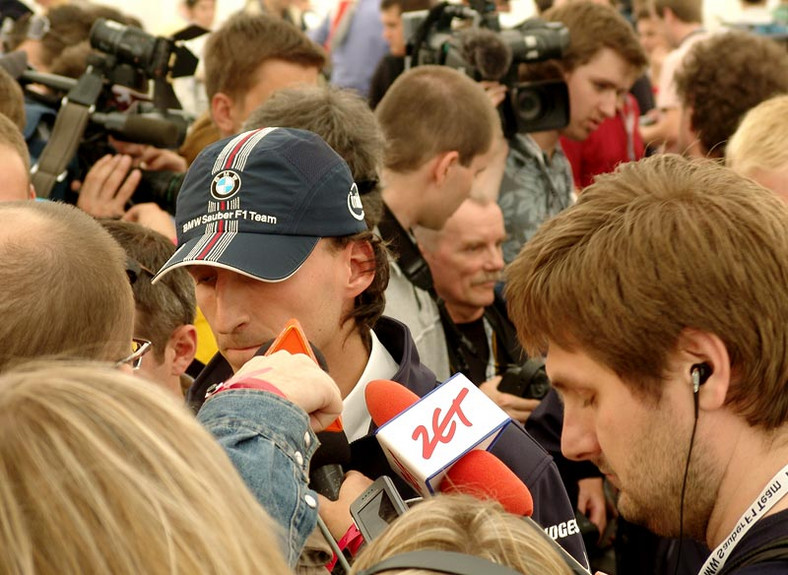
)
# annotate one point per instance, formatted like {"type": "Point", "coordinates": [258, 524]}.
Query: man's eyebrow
{"type": "Point", "coordinates": [558, 384]}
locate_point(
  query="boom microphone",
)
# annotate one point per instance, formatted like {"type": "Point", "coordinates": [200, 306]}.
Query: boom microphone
{"type": "Point", "coordinates": [140, 129]}
{"type": "Point", "coordinates": [484, 476]}
{"type": "Point", "coordinates": [486, 51]}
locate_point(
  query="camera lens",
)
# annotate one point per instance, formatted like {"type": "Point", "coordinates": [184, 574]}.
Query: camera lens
{"type": "Point", "coordinates": [529, 104]}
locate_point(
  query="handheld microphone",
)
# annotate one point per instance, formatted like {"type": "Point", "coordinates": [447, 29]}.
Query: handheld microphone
{"type": "Point", "coordinates": [326, 468]}
{"type": "Point", "coordinates": [15, 63]}
{"type": "Point", "coordinates": [424, 437]}
{"type": "Point", "coordinates": [139, 128]}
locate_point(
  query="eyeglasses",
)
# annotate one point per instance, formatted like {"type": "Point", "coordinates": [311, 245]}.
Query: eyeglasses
{"type": "Point", "coordinates": [139, 347]}
{"type": "Point", "coordinates": [135, 268]}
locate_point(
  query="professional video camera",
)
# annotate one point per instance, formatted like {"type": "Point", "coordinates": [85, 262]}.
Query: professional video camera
{"type": "Point", "coordinates": [485, 52]}
{"type": "Point", "coordinates": [129, 61]}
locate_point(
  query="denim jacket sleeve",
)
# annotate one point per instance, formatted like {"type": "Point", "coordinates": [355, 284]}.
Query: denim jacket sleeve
{"type": "Point", "coordinates": [269, 440]}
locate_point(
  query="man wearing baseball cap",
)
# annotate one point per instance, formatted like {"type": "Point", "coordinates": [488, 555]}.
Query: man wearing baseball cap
{"type": "Point", "coordinates": [271, 227]}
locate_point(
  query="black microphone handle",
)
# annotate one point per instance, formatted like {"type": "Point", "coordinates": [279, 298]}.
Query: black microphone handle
{"type": "Point", "coordinates": [327, 480]}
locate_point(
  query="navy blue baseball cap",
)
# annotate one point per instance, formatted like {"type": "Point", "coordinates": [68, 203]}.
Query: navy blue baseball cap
{"type": "Point", "coordinates": [257, 204]}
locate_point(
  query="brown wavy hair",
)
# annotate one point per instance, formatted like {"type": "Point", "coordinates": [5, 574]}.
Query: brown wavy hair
{"type": "Point", "coordinates": [659, 246]}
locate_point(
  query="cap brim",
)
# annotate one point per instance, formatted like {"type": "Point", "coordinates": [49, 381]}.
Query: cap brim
{"type": "Point", "coordinates": [270, 258]}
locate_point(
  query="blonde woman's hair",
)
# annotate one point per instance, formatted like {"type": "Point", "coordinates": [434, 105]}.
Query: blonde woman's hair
{"type": "Point", "coordinates": [759, 142]}
{"type": "Point", "coordinates": [467, 525]}
{"type": "Point", "coordinates": [101, 473]}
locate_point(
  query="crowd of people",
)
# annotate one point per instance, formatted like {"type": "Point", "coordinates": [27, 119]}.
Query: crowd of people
{"type": "Point", "coordinates": [609, 280]}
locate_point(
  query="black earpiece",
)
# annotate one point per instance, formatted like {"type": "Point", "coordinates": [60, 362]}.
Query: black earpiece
{"type": "Point", "coordinates": [700, 373]}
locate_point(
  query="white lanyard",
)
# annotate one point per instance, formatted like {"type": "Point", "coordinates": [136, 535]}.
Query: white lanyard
{"type": "Point", "coordinates": [774, 491]}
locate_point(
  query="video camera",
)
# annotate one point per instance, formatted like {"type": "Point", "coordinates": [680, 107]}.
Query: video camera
{"type": "Point", "coordinates": [485, 52]}
{"type": "Point", "coordinates": [127, 61]}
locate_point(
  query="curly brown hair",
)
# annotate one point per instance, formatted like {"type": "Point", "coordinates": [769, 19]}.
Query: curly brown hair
{"type": "Point", "coordinates": [723, 77]}
{"type": "Point", "coordinates": [369, 304]}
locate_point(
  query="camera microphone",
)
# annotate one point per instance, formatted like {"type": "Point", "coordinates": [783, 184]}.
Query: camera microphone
{"type": "Point", "coordinates": [138, 128]}
{"type": "Point", "coordinates": [486, 51]}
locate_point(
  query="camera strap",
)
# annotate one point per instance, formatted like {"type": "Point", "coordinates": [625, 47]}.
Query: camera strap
{"type": "Point", "coordinates": [72, 119]}
{"type": "Point", "coordinates": [415, 268]}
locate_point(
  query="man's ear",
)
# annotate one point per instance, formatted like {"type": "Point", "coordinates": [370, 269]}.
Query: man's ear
{"type": "Point", "coordinates": [698, 347]}
{"type": "Point", "coordinates": [443, 164]}
{"type": "Point", "coordinates": [223, 113]}
{"type": "Point", "coordinates": [31, 193]}
{"type": "Point", "coordinates": [181, 348]}
{"type": "Point", "coordinates": [362, 266]}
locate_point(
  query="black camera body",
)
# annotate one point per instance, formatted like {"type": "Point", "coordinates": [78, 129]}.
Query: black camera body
{"type": "Point", "coordinates": [485, 52]}
{"type": "Point", "coordinates": [528, 380]}
{"type": "Point", "coordinates": [124, 58]}
{"type": "Point", "coordinates": [134, 57]}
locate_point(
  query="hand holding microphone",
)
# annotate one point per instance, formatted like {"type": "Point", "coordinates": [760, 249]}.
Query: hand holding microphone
{"type": "Point", "coordinates": [301, 381]}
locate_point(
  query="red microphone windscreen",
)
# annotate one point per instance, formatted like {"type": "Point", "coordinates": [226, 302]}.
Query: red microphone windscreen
{"type": "Point", "coordinates": [480, 474]}
{"type": "Point", "coordinates": [387, 399]}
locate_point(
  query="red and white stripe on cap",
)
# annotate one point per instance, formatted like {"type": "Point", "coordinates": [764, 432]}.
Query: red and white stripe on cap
{"type": "Point", "coordinates": [237, 150]}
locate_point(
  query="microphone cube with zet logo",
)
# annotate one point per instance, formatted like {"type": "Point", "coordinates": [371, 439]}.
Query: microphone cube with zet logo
{"type": "Point", "coordinates": [425, 440]}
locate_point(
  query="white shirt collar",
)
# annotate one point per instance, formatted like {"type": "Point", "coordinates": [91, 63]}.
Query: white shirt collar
{"type": "Point", "coordinates": [380, 365]}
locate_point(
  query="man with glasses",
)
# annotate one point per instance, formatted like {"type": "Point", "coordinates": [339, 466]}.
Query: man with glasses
{"type": "Point", "coordinates": [164, 313]}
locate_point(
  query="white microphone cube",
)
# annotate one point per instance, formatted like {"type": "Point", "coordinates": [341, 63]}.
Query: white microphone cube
{"type": "Point", "coordinates": [426, 439]}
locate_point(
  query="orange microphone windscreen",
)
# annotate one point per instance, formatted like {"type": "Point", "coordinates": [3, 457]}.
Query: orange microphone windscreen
{"type": "Point", "coordinates": [386, 399]}
{"type": "Point", "coordinates": [480, 474]}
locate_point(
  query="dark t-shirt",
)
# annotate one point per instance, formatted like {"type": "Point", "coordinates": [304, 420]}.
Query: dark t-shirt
{"type": "Point", "coordinates": [477, 362]}
{"type": "Point", "coordinates": [768, 529]}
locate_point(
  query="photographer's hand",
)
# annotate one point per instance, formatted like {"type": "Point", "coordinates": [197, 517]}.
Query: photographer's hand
{"type": "Point", "coordinates": [108, 186]}
{"type": "Point", "coordinates": [495, 91]}
{"type": "Point", "coordinates": [151, 158]}
{"type": "Point", "coordinates": [517, 408]}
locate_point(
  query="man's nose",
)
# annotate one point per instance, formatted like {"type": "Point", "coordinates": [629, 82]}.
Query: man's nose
{"type": "Point", "coordinates": [609, 104]}
{"type": "Point", "coordinates": [495, 260]}
{"type": "Point", "coordinates": [578, 437]}
{"type": "Point", "coordinates": [229, 308]}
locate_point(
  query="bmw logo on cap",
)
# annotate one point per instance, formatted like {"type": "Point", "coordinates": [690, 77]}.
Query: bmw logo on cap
{"type": "Point", "coordinates": [354, 205]}
{"type": "Point", "coordinates": [225, 185]}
